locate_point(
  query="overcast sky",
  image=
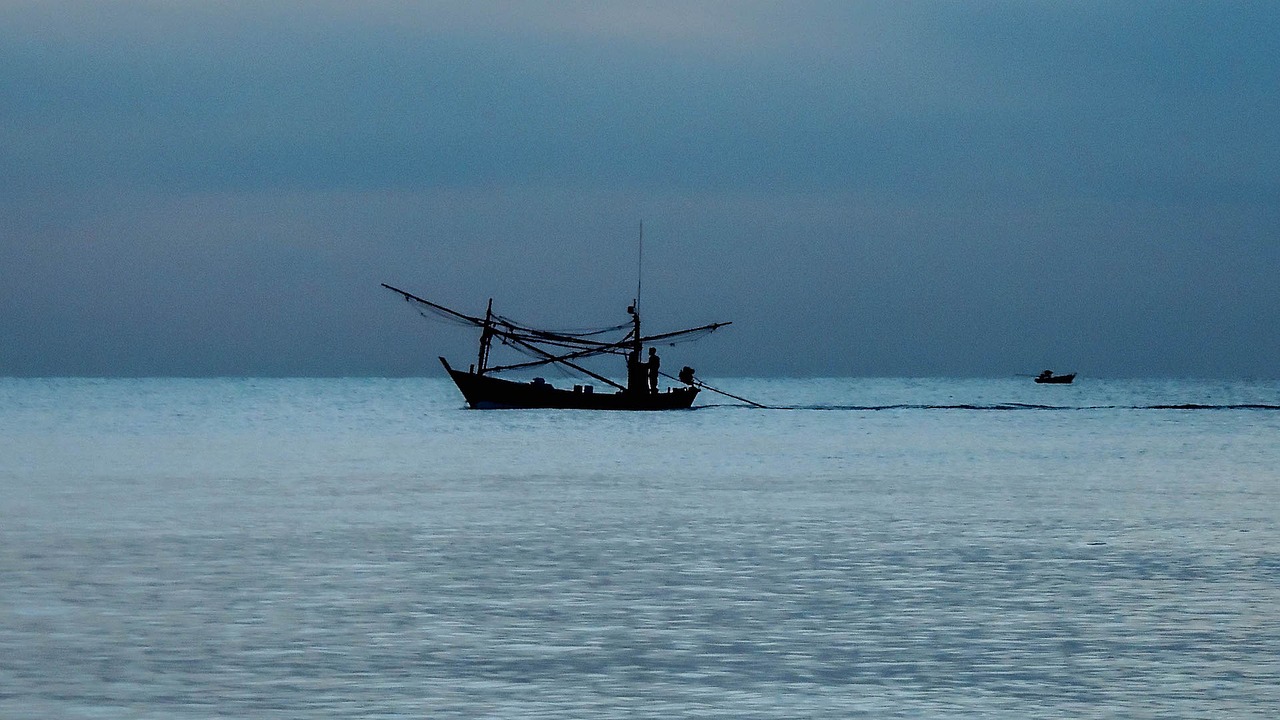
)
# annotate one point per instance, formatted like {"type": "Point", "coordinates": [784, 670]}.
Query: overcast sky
{"type": "Point", "coordinates": [888, 188]}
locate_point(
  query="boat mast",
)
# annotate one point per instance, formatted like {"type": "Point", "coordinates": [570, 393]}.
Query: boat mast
{"type": "Point", "coordinates": [635, 304]}
{"type": "Point", "coordinates": [639, 269]}
{"type": "Point", "coordinates": [635, 329]}
{"type": "Point", "coordinates": [486, 339]}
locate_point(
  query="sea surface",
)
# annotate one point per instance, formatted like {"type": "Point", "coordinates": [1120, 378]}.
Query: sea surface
{"type": "Point", "coordinates": [867, 548]}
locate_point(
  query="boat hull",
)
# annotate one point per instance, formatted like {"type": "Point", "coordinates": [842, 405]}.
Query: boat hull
{"type": "Point", "coordinates": [1057, 379]}
{"type": "Point", "coordinates": [483, 392]}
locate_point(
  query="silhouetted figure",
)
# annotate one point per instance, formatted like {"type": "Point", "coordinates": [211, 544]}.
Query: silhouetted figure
{"type": "Point", "coordinates": [653, 364]}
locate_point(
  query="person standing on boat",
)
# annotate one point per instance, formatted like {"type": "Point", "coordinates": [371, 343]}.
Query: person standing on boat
{"type": "Point", "coordinates": [653, 365]}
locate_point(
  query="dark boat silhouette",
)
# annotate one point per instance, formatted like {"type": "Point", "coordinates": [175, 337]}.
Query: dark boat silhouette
{"type": "Point", "coordinates": [1048, 377]}
{"type": "Point", "coordinates": [484, 391]}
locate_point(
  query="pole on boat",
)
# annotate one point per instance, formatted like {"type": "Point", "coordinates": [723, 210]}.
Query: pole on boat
{"type": "Point", "coordinates": [705, 386]}
{"type": "Point", "coordinates": [486, 338]}
{"type": "Point", "coordinates": [698, 383]}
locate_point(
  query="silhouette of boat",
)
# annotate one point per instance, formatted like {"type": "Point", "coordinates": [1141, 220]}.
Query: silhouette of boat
{"type": "Point", "coordinates": [484, 391]}
{"type": "Point", "coordinates": [1048, 377]}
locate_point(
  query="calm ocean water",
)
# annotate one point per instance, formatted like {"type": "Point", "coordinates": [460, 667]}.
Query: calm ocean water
{"type": "Point", "coordinates": [885, 548]}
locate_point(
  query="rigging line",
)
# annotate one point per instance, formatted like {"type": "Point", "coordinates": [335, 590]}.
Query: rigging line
{"type": "Point", "coordinates": [544, 353]}
{"type": "Point", "coordinates": [552, 359]}
{"type": "Point", "coordinates": [707, 328]}
{"type": "Point", "coordinates": [439, 308]}
{"type": "Point", "coordinates": [571, 346]}
{"type": "Point", "coordinates": [574, 343]}
{"type": "Point", "coordinates": [507, 328]}
{"type": "Point", "coordinates": [580, 339]}
{"type": "Point", "coordinates": [555, 339]}
{"type": "Point", "coordinates": [430, 314]}
{"type": "Point", "coordinates": [574, 333]}
{"type": "Point", "coordinates": [587, 348]}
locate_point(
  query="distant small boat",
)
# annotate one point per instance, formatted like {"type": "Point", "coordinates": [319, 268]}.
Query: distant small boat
{"type": "Point", "coordinates": [1048, 377]}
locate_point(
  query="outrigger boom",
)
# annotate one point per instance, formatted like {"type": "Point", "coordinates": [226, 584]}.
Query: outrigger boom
{"type": "Point", "coordinates": [482, 390]}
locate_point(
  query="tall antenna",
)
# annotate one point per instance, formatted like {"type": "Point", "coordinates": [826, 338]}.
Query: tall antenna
{"type": "Point", "coordinates": [640, 267]}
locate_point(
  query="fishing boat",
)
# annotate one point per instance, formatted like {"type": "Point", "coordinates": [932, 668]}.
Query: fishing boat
{"type": "Point", "coordinates": [1048, 377]}
{"type": "Point", "coordinates": [483, 390]}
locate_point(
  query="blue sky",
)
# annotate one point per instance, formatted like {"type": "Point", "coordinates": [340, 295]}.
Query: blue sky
{"type": "Point", "coordinates": [891, 188]}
